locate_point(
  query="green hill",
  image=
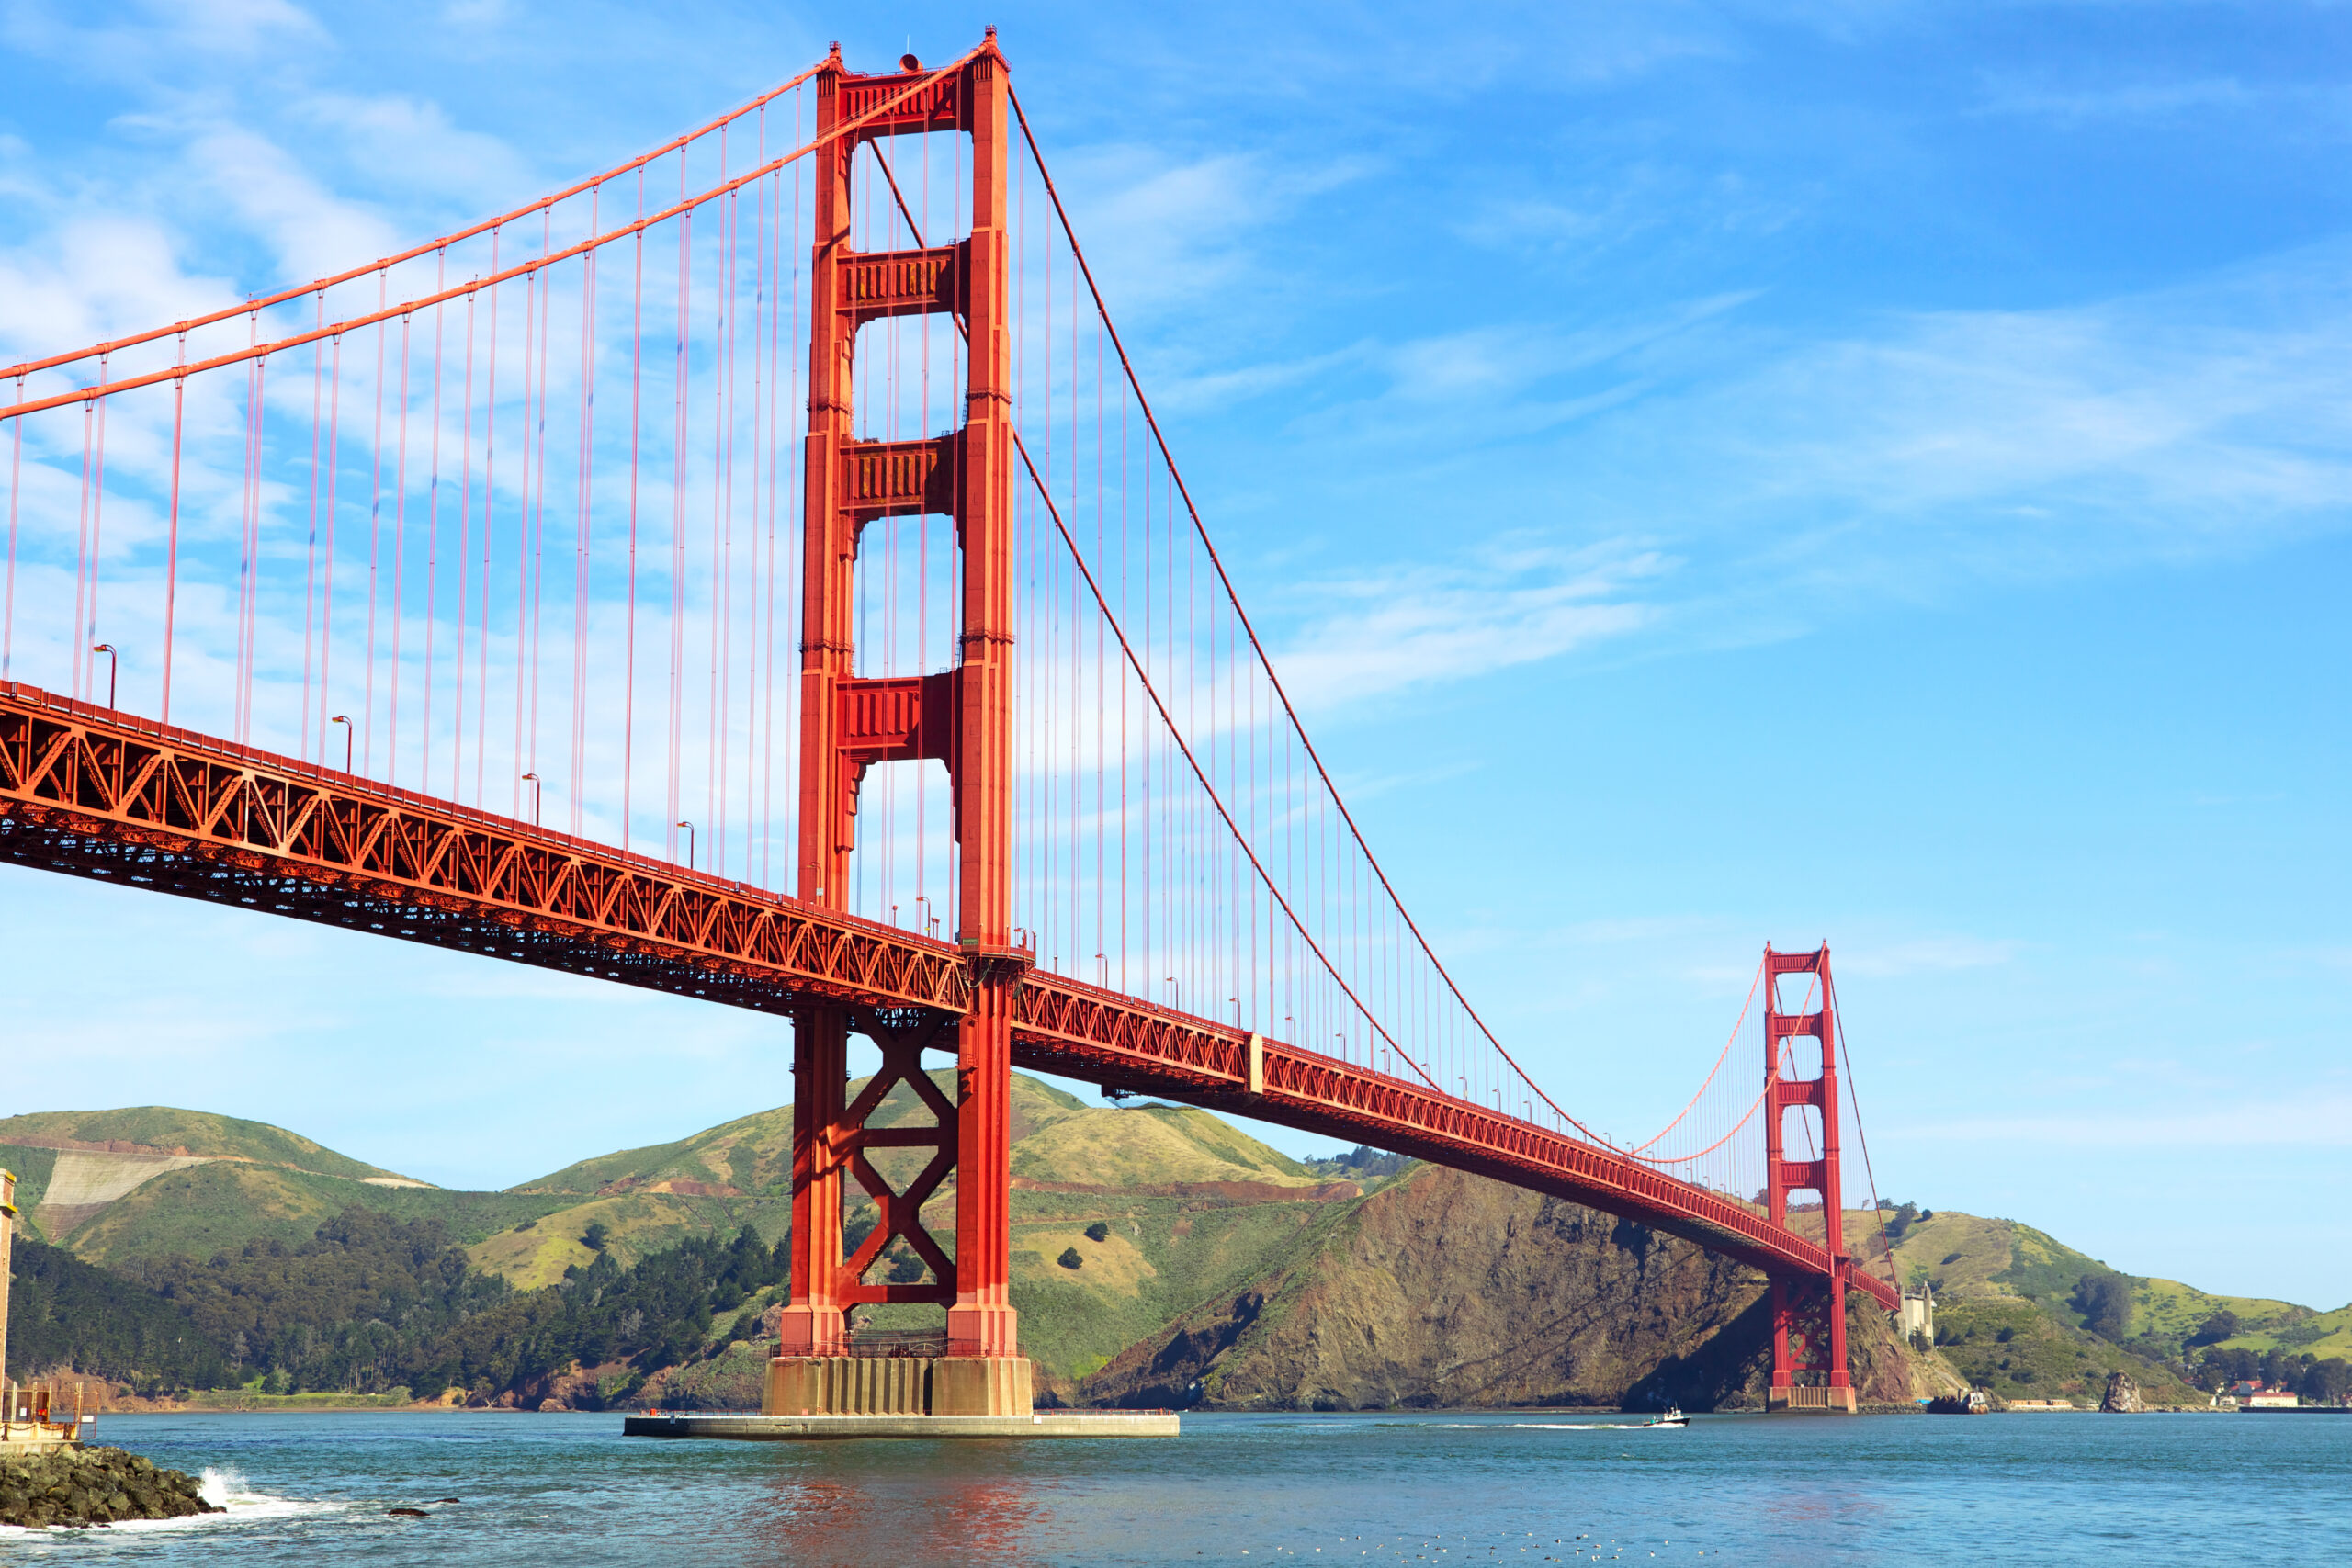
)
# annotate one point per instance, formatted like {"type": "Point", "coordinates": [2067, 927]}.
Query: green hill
{"type": "Point", "coordinates": [1967, 1256]}
{"type": "Point", "coordinates": [753, 1153]}
{"type": "Point", "coordinates": [1150, 1145]}
{"type": "Point", "coordinates": [2017, 1349]}
{"type": "Point", "coordinates": [1964, 1254]}
{"type": "Point", "coordinates": [205, 1209]}
{"type": "Point", "coordinates": [1160, 1253]}
{"type": "Point", "coordinates": [742, 1155]}
{"type": "Point", "coordinates": [117, 1187]}
{"type": "Point", "coordinates": [162, 1130]}
{"type": "Point", "coordinates": [1175, 1161]}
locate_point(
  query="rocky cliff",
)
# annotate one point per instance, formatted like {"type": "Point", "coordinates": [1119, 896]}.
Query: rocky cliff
{"type": "Point", "coordinates": [1447, 1290]}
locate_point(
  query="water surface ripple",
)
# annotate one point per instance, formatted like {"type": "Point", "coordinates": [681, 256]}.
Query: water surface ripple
{"type": "Point", "coordinates": [1453, 1489]}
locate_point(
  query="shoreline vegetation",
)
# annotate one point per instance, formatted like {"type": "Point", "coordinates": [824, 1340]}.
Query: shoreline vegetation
{"type": "Point", "coordinates": [1163, 1259]}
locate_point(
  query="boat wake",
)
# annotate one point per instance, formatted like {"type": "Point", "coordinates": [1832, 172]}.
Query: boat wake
{"type": "Point", "coordinates": [1559, 1426]}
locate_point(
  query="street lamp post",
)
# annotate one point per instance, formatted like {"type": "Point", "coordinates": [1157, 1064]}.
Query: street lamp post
{"type": "Point", "coordinates": [535, 782]}
{"type": "Point", "coordinates": [344, 719]}
{"type": "Point", "coordinates": [1176, 994]}
{"type": "Point", "coordinates": [690, 844]}
{"type": "Point", "coordinates": [113, 662]}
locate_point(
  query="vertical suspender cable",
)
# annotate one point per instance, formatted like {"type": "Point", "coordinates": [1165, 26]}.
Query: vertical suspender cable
{"type": "Point", "coordinates": [584, 539]}
{"type": "Point", "coordinates": [310, 569]}
{"type": "Point", "coordinates": [636, 425]}
{"type": "Point", "coordinates": [97, 534]}
{"type": "Point", "coordinates": [16, 490]}
{"type": "Point", "coordinates": [680, 365]}
{"type": "Point", "coordinates": [172, 551]}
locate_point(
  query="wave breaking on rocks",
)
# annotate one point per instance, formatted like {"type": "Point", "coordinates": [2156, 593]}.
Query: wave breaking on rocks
{"type": "Point", "coordinates": [76, 1486]}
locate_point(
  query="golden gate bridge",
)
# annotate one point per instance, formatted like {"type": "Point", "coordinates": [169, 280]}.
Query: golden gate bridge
{"type": "Point", "coordinates": [756, 573]}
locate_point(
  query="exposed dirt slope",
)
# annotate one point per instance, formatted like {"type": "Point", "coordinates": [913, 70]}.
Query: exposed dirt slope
{"type": "Point", "coordinates": [88, 1179]}
{"type": "Point", "coordinates": [165, 1130]}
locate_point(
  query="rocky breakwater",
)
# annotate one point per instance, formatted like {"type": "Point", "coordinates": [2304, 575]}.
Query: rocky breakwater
{"type": "Point", "coordinates": [78, 1485]}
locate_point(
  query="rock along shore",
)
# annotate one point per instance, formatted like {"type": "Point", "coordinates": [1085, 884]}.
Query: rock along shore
{"type": "Point", "coordinates": [93, 1486]}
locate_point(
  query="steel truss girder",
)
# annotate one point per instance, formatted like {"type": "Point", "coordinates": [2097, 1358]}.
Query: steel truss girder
{"type": "Point", "coordinates": [1065, 1026]}
{"type": "Point", "coordinates": [95, 793]}
{"type": "Point", "coordinates": [98, 794]}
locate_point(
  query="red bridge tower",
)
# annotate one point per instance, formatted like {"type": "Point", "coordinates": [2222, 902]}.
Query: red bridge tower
{"type": "Point", "coordinates": [1809, 1308]}
{"type": "Point", "coordinates": [960, 717]}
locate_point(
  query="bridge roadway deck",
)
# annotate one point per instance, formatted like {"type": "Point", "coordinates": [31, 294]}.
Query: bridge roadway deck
{"type": "Point", "coordinates": [96, 793]}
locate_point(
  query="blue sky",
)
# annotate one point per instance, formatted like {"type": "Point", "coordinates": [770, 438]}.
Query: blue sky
{"type": "Point", "coordinates": [1717, 473]}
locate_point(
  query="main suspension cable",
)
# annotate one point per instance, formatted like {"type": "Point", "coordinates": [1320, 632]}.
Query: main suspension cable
{"type": "Point", "coordinates": [1250, 629]}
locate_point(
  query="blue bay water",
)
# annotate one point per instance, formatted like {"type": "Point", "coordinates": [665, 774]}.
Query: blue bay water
{"type": "Point", "coordinates": [548, 1490]}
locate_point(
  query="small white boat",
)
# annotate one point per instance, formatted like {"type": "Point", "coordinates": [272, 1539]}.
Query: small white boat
{"type": "Point", "coordinates": [1673, 1417]}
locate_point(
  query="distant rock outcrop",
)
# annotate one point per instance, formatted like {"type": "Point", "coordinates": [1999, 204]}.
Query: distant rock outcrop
{"type": "Point", "coordinates": [2123, 1394]}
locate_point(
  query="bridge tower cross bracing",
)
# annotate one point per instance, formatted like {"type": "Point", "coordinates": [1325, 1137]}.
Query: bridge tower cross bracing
{"type": "Point", "coordinates": [960, 717]}
{"type": "Point", "coordinates": [1807, 1300]}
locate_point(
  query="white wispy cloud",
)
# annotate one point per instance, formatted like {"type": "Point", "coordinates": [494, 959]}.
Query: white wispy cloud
{"type": "Point", "coordinates": [2209, 417]}
{"type": "Point", "coordinates": [312, 231]}
{"type": "Point", "coordinates": [96, 276]}
{"type": "Point", "coordinates": [138, 42]}
{"type": "Point", "coordinates": [410, 144]}
{"type": "Point", "coordinates": [1163, 231]}
{"type": "Point", "coordinates": [1891, 460]}
{"type": "Point", "coordinates": [1429, 622]}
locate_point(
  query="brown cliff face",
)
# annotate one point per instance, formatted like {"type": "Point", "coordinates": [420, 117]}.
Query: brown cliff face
{"type": "Point", "coordinates": [1730, 1369]}
{"type": "Point", "coordinates": [1447, 1290]}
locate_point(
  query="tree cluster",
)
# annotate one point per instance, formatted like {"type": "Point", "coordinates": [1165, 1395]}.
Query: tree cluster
{"type": "Point", "coordinates": [349, 1310]}
{"type": "Point", "coordinates": [2223, 1325]}
{"type": "Point", "coordinates": [1362, 1162]}
{"type": "Point", "coordinates": [65, 1313]}
{"type": "Point", "coordinates": [371, 1304]}
{"type": "Point", "coordinates": [657, 1313]}
{"type": "Point", "coordinates": [2316, 1380]}
{"type": "Point", "coordinates": [2104, 1298]}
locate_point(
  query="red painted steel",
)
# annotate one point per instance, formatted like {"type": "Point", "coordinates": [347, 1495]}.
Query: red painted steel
{"type": "Point", "coordinates": [101, 794]}
{"type": "Point", "coordinates": [1820, 1293]}
{"type": "Point", "coordinates": [961, 716]}
{"type": "Point", "coordinates": [95, 793]}
{"type": "Point", "coordinates": [105, 794]}
{"type": "Point", "coordinates": [1078, 1030]}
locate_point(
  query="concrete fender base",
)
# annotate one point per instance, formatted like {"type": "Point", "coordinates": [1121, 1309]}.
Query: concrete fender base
{"type": "Point", "coordinates": [899, 1385]}
{"type": "Point", "coordinates": [803, 1428]}
{"type": "Point", "coordinates": [1810, 1402]}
